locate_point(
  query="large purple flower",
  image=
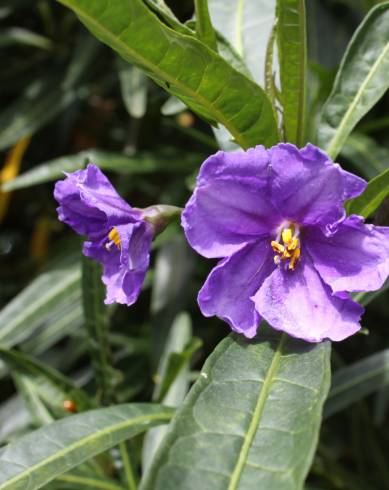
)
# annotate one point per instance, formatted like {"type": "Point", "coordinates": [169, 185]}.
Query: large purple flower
{"type": "Point", "coordinates": [289, 254]}
{"type": "Point", "coordinates": [118, 235]}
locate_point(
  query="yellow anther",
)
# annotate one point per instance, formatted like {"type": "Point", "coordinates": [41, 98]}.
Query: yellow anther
{"type": "Point", "coordinates": [286, 235]}
{"type": "Point", "coordinates": [289, 248]}
{"type": "Point", "coordinates": [294, 259]}
{"type": "Point", "coordinates": [293, 244]}
{"type": "Point", "coordinates": [286, 254]}
{"type": "Point", "coordinates": [114, 238]}
{"type": "Point", "coordinates": [277, 247]}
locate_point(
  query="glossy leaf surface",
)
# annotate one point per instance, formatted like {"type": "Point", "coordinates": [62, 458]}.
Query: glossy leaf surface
{"type": "Point", "coordinates": [251, 420]}
{"type": "Point", "coordinates": [361, 81]}
{"type": "Point", "coordinates": [292, 53]}
{"type": "Point", "coordinates": [40, 456]}
{"type": "Point", "coordinates": [214, 89]}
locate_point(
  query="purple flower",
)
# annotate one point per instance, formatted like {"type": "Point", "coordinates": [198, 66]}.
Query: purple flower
{"type": "Point", "coordinates": [289, 255]}
{"type": "Point", "coordinates": [118, 236]}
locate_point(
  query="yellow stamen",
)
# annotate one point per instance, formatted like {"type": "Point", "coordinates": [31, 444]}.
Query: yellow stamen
{"type": "Point", "coordinates": [114, 238]}
{"type": "Point", "coordinates": [286, 254]}
{"type": "Point", "coordinates": [293, 244]}
{"type": "Point", "coordinates": [277, 247]}
{"type": "Point", "coordinates": [289, 249]}
{"type": "Point", "coordinates": [286, 235]}
{"type": "Point", "coordinates": [294, 259]}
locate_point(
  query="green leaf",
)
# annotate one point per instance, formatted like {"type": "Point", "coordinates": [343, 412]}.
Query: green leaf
{"type": "Point", "coordinates": [160, 7]}
{"type": "Point", "coordinates": [133, 85]}
{"type": "Point", "coordinates": [361, 81]}
{"type": "Point", "coordinates": [80, 481]}
{"type": "Point", "coordinates": [23, 315]}
{"type": "Point", "coordinates": [179, 348]}
{"type": "Point", "coordinates": [14, 419]}
{"type": "Point", "coordinates": [97, 327]}
{"type": "Point", "coordinates": [292, 54]}
{"type": "Point", "coordinates": [204, 28]}
{"type": "Point", "coordinates": [246, 24]}
{"type": "Point", "coordinates": [228, 52]}
{"type": "Point", "coordinates": [173, 267]}
{"type": "Point", "coordinates": [250, 421]}
{"type": "Point", "coordinates": [171, 385]}
{"type": "Point", "coordinates": [184, 67]}
{"type": "Point", "coordinates": [175, 364]}
{"type": "Point", "coordinates": [354, 382]}
{"type": "Point", "coordinates": [64, 319]}
{"type": "Point", "coordinates": [27, 388]}
{"type": "Point", "coordinates": [142, 163]}
{"type": "Point", "coordinates": [55, 387]}
{"type": "Point", "coordinates": [42, 455]}
{"type": "Point", "coordinates": [364, 298]}
{"type": "Point", "coordinates": [376, 191]}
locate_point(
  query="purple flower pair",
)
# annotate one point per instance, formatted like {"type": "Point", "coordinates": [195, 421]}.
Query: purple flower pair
{"type": "Point", "coordinates": [275, 218]}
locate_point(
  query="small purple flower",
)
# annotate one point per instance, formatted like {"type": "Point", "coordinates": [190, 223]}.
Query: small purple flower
{"type": "Point", "coordinates": [289, 254]}
{"type": "Point", "coordinates": [118, 235]}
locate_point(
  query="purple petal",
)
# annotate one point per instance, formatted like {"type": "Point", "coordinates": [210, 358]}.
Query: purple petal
{"type": "Point", "coordinates": [230, 205]}
{"type": "Point", "coordinates": [230, 285]}
{"type": "Point", "coordinates": [353, 185]}
{"type": "Point", "coordinates": [124, 269]}
{"type": "Point", "coordinates": [299, 303]}
{"type": "Point", "coordinates": [307, 187]}
{"type": "Point", "coordinates": [87, 200]}
{"type": "Point", "coordinates": [355, 258]}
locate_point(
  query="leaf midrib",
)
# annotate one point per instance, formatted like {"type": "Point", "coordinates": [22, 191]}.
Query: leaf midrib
{"type": "Point", "coordinates": [76, 445]}
{"type": "Point", "coordinates": [238, 27]}
{"type": "Point", "coordinates": [333, 147]}
{"type": "Point", "coordinates": [219, 116]}
{"type": "Point", "coordinates": [257, 414]}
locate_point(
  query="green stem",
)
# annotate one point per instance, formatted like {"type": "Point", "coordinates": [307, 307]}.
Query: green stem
{"type": "Point", "coordinates": [204, 28]}
{"type": "Point", "coordinates": [96, 323]}
{"type": "Point", "coordinates": [270, 86]}
{"type": "Point", "coordinates": [128, 471]}
{"type": "Point", "coordinates": [89, 482]}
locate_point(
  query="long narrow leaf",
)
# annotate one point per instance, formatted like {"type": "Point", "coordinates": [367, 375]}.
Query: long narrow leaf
{"type": "Point", "coordinates": [204, 28]}
{"type": "Point", "coordinates": [39, 457]}
{"type": "Point", "coordinates": [183, 66]}
{"type": "Point", "coordinates": [20, 318]}
{"type": "Point", "coordinates": [57, 386]}
{"type": "Point", "coordinates": [292, 53]}
{"type": "Point", "coordinates": [142, 163]}
{"type": "Point", "coordinates": [361, 81]}
{"type": "Point", "coordinates": [354, 382]}
{"type": "Point", "coordinates": [251, 420]}
{"type": "Point", "coordinates": [376, 191]}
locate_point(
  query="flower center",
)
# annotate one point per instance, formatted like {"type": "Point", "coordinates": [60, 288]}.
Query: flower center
{"type": "Point", "coordinates": [289, 249]}
{"type": "Point", "coordinates": [114, 239]}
